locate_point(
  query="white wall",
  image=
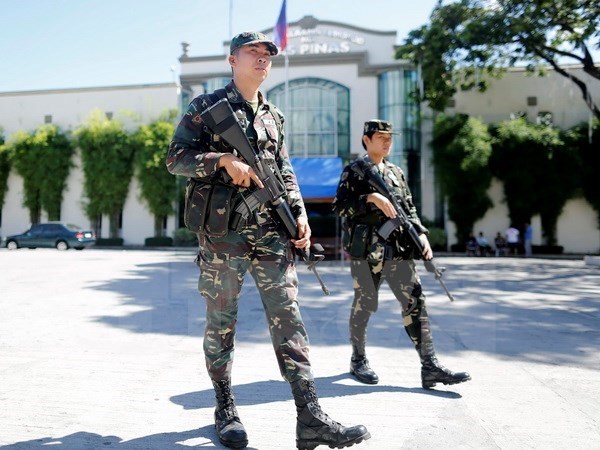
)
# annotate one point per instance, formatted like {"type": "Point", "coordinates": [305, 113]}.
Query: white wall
{"type": "Point", "coordinates": [69, 108]}
{"type": "Point", "coordinates": [138, 223]}
{"type": "Point", "coordinates": [577, 227]}
{"type": "Point", "coordinates": [72, 209]}
{"type": "Point", "coordinates": [15, 217]}
{"type": "Point", "coordinates": [554, 93]}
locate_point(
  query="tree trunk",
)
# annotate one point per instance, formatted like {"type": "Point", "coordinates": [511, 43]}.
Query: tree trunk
{"type": "Point", "coordinates": [158, 226]}
{"type": "Point", "coordinates": [114, 225]}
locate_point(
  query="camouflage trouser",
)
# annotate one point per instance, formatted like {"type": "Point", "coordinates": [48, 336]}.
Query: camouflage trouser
{"type": "Point", "coordinates": [405, 284]}
{"type": "Point", "coordinates": [266, 253]}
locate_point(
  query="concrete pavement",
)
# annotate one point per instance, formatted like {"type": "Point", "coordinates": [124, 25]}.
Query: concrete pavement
{"type": "Point", "coordinates": [103, 349]}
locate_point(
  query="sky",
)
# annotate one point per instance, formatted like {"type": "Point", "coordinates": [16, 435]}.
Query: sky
{"type": "Point", "coordinates": [55, 44]}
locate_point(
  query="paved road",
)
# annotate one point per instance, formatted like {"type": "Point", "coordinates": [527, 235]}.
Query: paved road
{"type": "Point", "coordinates": [103, 349]}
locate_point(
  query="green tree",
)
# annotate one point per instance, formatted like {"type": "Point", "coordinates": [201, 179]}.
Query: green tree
{"type": "Point", "coordinates": [43, 160]}
{"type": "Point", "coordinates": [468, 42]}
{"type": "Point", "coordinates": [158, 187]}
{"type": "Point", "coordinates": [4, 170]}
{"type": "Point", "coordinates": [107, 159]}
{"type": "Point", "coordinates": [540, 173]}
{"type": "Point", "coordinates": [585, 142]}
{"type": "Point", "coordinates": [461, 150]}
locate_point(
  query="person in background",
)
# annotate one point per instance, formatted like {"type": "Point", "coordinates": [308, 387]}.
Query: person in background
{"type": "Point", "coordinates": [500, 244]}
{"type": "Point", "coordinates": [512, 240]}
{"type": "Point", "coordinates": [483, 246]}
{"type": "Point", "coordinates": [527, 238]}
{"type": "Point", "coordinates": [375, 259]}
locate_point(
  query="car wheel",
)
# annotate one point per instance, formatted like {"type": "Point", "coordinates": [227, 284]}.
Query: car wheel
{"type": "Point", "coordinates": [12, 245]}
{"type": "Point", "coordinates": [62, 245]}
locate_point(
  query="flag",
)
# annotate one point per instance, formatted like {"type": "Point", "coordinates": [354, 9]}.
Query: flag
{"type": "Point", "coordinates": [281, 28]}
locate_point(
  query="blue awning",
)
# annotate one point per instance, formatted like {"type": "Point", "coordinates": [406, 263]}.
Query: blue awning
{"type": "Point", "coordinates": [318, 177]}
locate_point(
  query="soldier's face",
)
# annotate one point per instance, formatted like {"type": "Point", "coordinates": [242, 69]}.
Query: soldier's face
{"type": "Point", "coordinates": [251, 62]}
{"type": "Point", "coordinates": [380, 144]}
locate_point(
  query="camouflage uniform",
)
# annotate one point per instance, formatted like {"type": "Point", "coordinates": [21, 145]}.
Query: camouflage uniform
{"type": "Point", "coordinates": [260, 246]}
{"type": "Point", "coordinates": [390, 260]}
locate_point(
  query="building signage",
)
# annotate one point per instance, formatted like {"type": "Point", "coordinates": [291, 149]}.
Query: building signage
{"type": "Point", "coordinates": [316, 41]}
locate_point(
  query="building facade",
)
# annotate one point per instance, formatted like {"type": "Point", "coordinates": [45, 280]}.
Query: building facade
{"type": "Point", "coordinates": [552, 99]}
{"type": "Point", "coordinates": [68, 109]}
{"type": "Point", "coordinates": [337, 77]}
{"type": "Point", "coordinates": [331, 79]}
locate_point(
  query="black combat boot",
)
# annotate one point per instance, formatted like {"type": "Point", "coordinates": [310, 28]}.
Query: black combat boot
{"type": "Point", "coordinates": [359, 367]}
{"type": "Point", "coordinates": [314, 427]}
{"type": "Point", "coordinates": [229, 427]}
{"type": "Point", "coordinates": [433, 372]}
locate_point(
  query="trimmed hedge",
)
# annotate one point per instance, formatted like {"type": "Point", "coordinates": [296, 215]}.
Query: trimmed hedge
{"type": "Point", "coordinates": [183, 237]}
{"type": "Point", "coordinates": [162, 241]}
{"type": "Point", "coordinates": [109, 242]}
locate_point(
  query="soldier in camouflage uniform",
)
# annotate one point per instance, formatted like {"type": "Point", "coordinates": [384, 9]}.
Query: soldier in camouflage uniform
{"type": "Point", "coordinates": [258, 245]}
{"type": "Point", "coordinates": [374, 260]}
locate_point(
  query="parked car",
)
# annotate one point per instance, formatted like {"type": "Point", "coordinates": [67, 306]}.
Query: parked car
{"type": "Point", "coordinates": [52, 234]}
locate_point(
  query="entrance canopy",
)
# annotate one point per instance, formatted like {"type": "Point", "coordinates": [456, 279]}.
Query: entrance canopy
{"type": "Point", "coordinates": [318, 177]}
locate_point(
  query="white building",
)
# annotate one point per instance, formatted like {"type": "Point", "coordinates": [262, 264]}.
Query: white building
{"type": "Point", "coordinates": [69, 108]}
{"type": "Point", "coordinates": [554, 99]}
{"type": "Point", "coordinates": [338, 77]}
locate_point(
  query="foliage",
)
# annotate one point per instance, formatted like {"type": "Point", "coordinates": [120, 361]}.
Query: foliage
{"type": "Point", "coordinates": [579, 138]}
{"type": "Point", "coordinates": [4, 170]}
{"type": "Point", "coordinates": [182, 237]}
{"type": "Point", "coordinates": [461, 149]}
{"type": "Point", "coordinates": [158, 186]}
{"type": "Point", "coordinates": [437, 236]}
{"type": "Point", "coordinates": [540, 173]}
{"type": "Point", "coordinates": [107, 159]}
{"type": "Point", "coordinates": [468, 42]}
{"type": "Point", "coordinates": [109, 242]}
{"type": "Point", "coordinates": [158, 241]}
{"type": "Point", "coordinates": [43, 159]}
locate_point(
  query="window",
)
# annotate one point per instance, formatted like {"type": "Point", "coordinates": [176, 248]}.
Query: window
{"type": "Point", "coordinates": [48, 118]}
{"type": "Point", "coordinates": [213, 84]}
{"type": "Point", "coordinates": [544, 118]}
{"type": "Point", "coordinates": [398, 103]}
{"type": "Point", "coordinates": [317, 118]}
{"type": "Point", "coordinates": [109, 115]}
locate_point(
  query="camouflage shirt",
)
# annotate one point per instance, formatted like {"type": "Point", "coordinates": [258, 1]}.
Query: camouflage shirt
{"type": "Point", "coordinates": [195, 151]}
{"type": "Point", "coordinates": [351, 202]}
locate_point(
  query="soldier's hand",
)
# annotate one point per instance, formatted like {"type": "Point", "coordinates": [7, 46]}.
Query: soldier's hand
{"type": "Point", "coordinates": [383, 204]}
{"type": "Point", "coordinates": [241, 173]}
{"type": "Point", "coordinates": [427, 251]}
{"type": "Point", "coordinates": [304, 233]}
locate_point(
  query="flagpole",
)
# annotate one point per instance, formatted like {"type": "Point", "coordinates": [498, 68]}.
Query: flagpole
{"type": "Point", "coordinates": [287, 85]}
{"type": "Point", "coordinates": [230, 18]}
{"type": "Point", "coordinates": [280, 38]}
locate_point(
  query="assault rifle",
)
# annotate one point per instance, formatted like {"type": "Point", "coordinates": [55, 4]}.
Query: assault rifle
{"type": "Point", "coordinates": [367, 171]}
{"type": "Point", "coordinates": [221, 120]}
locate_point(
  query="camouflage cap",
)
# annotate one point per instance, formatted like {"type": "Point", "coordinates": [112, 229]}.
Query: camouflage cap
{"type": "Point", "coordinates": [383, 126]}
{"type": "Point", "coordinates": [252, 37]}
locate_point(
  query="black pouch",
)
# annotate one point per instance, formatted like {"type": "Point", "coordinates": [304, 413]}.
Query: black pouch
{"type": "Point", "coordinates": [361, 237]}
{"type": "Point", "coordinates": [222, 201]}
{"type": "Point", "coordinates": [197, 199]}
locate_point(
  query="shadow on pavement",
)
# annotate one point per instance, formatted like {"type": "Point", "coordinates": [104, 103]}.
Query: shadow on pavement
{"type": "Point", "coordinates": [262, 392]}
{"type": "Point", "coordinates": [86, 440]}
{"type": "Point", "coordinates": [538, 310]}
{"type": "Point", "coordinates": [246, 394]}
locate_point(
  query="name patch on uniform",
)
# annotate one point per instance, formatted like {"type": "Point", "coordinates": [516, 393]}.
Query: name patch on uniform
{"type": "Point", "coordinates": [268, 121]}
